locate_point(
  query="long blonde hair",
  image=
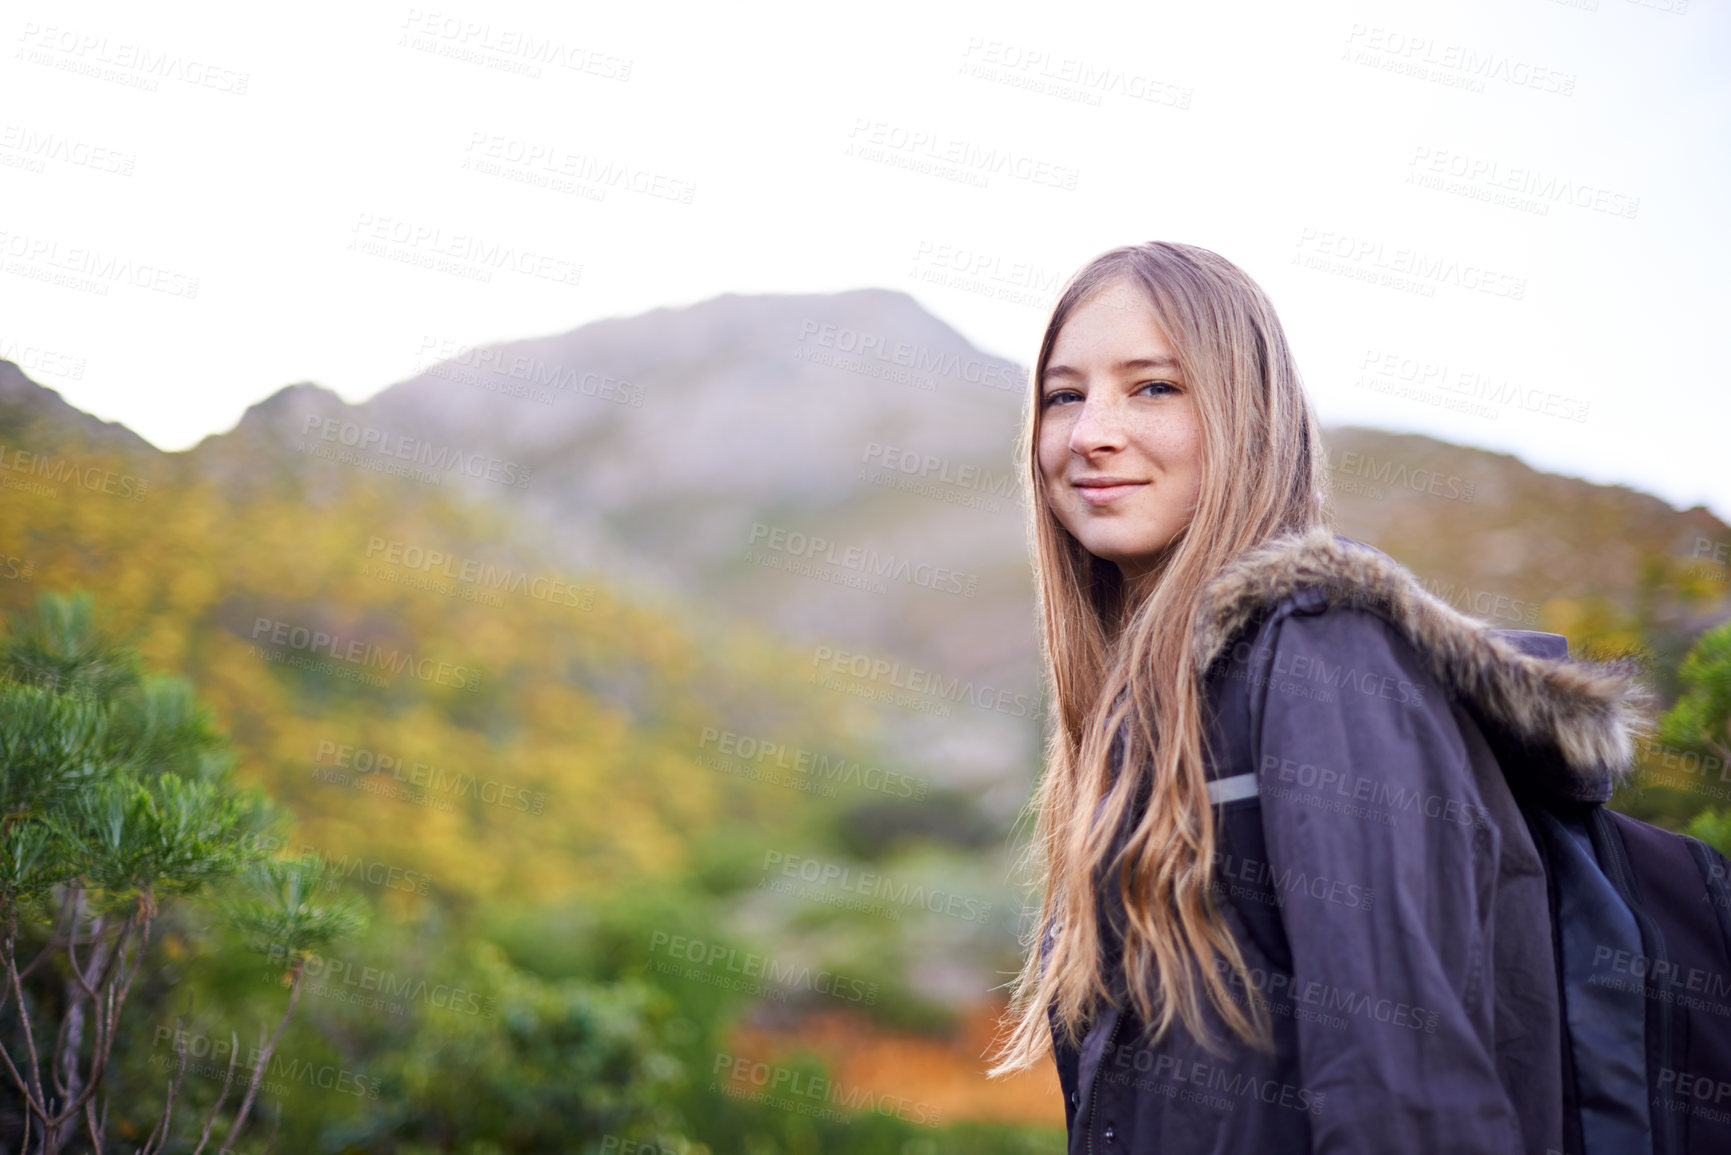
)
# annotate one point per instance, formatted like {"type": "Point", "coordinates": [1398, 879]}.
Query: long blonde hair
{"type": "Point", "coordinates": [1119, 658]}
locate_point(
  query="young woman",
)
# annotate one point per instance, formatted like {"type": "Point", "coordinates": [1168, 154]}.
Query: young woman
{"type": "Point", "coordinates": [1290, 901]}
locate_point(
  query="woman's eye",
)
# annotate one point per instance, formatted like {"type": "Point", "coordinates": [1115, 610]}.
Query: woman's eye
{"type": "Point", "coordinates": [1057, 395]}
{"type": "Point", "coordinates": [1160, 388]}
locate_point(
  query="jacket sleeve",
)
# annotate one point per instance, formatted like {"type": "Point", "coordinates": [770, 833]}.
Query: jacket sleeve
{"type": "Point", "coordinates": [1385, 879]}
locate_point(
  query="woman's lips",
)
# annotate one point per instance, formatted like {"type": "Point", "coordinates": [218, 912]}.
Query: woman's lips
{"type": "Point", "coordinates": [1104, 494]}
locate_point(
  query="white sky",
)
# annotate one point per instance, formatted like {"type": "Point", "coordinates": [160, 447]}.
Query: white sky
{"type": "Point", "coordinates": [273, 140]}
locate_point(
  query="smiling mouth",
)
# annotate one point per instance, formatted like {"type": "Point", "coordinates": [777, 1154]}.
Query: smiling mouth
{"type": "Point", "coordinates": [1096, 493]}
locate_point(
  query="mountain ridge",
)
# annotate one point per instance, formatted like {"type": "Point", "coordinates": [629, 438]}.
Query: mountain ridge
{"type": "Point", "coordinates": [684, 448]}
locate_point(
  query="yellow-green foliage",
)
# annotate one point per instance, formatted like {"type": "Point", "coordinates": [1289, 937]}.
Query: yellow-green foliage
{"type": "Point", "coordinates": [592, 714]}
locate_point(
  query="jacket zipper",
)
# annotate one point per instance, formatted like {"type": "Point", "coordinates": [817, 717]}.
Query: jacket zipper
{"type": "Point", "coordinates": [1094, 1095]}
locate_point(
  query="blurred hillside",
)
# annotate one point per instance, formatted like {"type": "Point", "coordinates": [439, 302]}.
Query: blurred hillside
{"type": "Point", "coordinates": [580, 641]}
{"type": "Point", "coordinates": [837, 469]}
{"type": "Point", "coordinates": [793, 518]}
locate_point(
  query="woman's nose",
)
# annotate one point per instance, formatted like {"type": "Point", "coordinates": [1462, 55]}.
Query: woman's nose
{"type": "Point", "coordinates": [1099, 426]}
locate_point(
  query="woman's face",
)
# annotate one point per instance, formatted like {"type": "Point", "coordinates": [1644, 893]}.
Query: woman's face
{"type": "Point", "coordinates": [1119, 445]}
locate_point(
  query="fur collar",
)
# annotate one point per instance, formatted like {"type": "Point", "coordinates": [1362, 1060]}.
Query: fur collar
{"type": "Point", "coordinates": [1576, 719]}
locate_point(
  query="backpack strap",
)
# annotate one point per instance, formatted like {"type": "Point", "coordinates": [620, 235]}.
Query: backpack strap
{"type": "Point", "coordinates": [1234, 718]}
{"type": "Point", "coordinates": [1603, 1012]}
{"type": "Point", "coordinates": [1677, 888]}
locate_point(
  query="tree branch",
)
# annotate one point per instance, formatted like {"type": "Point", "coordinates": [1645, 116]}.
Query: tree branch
{"type": "Point", "coordinates": [33, 1092]}
{"type": "Point", "coordinates": [53, 937]}
{"type": "Point", "coordinates": [264, 1058]}
{"type": "Point", "coordinates": [227, 1082]}
{"type": "Point", "coordinates": [153, 1144]}
{"type": "Point", "coordinates": [97, 1130]}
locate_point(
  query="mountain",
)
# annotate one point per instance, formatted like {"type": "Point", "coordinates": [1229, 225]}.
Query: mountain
{"type": "Point", "coordinates": [37, 419]}
{"type": "Point", "coordinates": [608, 671]}
{"type": "Point", "coordinates": [1490, 522]}
{"type": "Point", "coordinates": [732, 453]}
{"type": "Point", "coordinates": [694, 437]}
{"type": "Point", "coordinates": [839, 471]}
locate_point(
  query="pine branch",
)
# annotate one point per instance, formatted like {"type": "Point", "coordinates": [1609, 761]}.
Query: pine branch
{"type": "Point", "coordinates": [264, 1058]}
{"type": "Point", "coordinates": [227, 1082]}
{"type": "Point", "coordinates": [159, 1134]}
{"type": "Point", "coordinates": [33, 1091]}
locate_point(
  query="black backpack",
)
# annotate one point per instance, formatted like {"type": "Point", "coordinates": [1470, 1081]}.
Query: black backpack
{"type": "Point", "coordinates": [1641, 928]}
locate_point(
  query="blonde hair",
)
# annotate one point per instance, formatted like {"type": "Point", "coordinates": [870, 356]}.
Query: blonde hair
{"type": "Point", "coordinates": [1122, 659]}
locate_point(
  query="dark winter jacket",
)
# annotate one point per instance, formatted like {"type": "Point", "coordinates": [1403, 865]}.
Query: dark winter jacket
{"type": "Point", "coordinates": [1367, 748]}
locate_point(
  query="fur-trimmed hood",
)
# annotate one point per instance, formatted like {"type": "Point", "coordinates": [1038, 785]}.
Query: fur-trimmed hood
{"type": "Point", "coordinates": [1575, 720]}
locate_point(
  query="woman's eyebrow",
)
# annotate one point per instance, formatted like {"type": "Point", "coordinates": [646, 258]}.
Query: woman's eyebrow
{"type": "Point", "coordinates": [1122, 366]}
